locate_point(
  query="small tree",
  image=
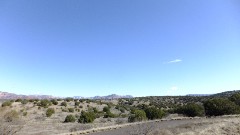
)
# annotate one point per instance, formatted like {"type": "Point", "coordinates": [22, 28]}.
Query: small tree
{"type": "Point", "coordinates": [49, 112]}
{"type": "Point", "coordinates": [70, 118]}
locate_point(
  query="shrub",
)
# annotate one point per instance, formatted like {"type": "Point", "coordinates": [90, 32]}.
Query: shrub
{"type": "Point", "coordinates": [109, 115]}
{"type": "Point", "coordinates": [122, 110]}
{"type": "Point", "coordinates": [44, 103]}
{"type": "Point", "coordinates": [154, 113]}
{"type": "Point", "coordinates": [31, 100]}
{"type": "Point", "coordinates": [220, 106]}
{"type": "Point", "coordinates": [71, 109]}
{"type": "Point", "coordinates": [7, 103]}
{"type": "Point", "coordinates": [70, 118]}
{"type": "Point", "coordinates": [25, 114]}
{"type": "Point", "coordinates": [95, 110]}
{"type": "Point", "coordinates": [77, 103]}
{"type": "Point", "coordinates": [54, 101]}
{"type": "Point", "coordinates": [68, 99]}
{"type": "Point", "coordinates": [49, 112]}
{"type": "Point", "coordinates": [64, 104]}
{"type": "Point", "coordinates": [191, 110]}
{"type": "Point", "coordinates": [81, 100]}
{"type": "Point", "coordinates": [18, 100]}
{"type": "Point", "coordinates": [87, 117]}
{"type": "Point", "coordinates": [25, 101]}
{"type": "Point", "coordinates": [11, 116]}
{"type": "Point", "coordinates": [80, 106]}
{"type": "Point", "coordinates": [138, 115]}
{"type": "Point", "coordinates": [106, 109]}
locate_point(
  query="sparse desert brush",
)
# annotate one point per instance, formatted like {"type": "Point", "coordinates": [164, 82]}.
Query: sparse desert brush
{"type": "Point", "coordinates": [109, 115]}
{"type": "Point", "coordinates": [25, 113]}
{"type": "Point", "coordinates": [54, 101]}
{"type": "Point", "coordinates": [124, 115]}
{"type": "Point", "coordinates": [49, 112]}
{"type": "Point", "coordinates": [68, 99]}
{"type": "Point", "coordinates": [7, 103]}
{"type": "Point", "coordinates": [95, 110]}
{"type": "Point", "coordinates": [45, 103]}
{"type": "Point", "coordinates": [220, 106]}
{"type": "Point", "coordinates": [122, 110]}
{"type": "Point", "coordinates": [81, 100]}
{"type": "Point", "coordinates": [64, 104]}
{"type": "Point", "coordinates": [70, 118]}
{"type": "Point", "coordinates": [11, 116]}
{"type": "Point", "coordinates": [191, 110]}
{"type": "Point", "coordinates": [154, 113]}
{"type": "Point", "coordinates": [18, 100]}
{"type": "Point", "coordinates": [71, 110]}
{"type": "Point", "coordinates": [76, 103]}
{"type": "Point", "coordinates": [64, 110]}
{"type": "Point", "coordinates": [87, 117]}
{"type": "Point", "coordinates": [106, 109]}
{"type": "Point", "coordinates": [137, 115]}
{"type": "Point", "coordinates": [25, 101]}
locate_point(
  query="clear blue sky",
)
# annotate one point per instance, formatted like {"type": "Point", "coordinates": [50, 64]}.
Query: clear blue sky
{"type": "Point", "coordinates": [136, 47]}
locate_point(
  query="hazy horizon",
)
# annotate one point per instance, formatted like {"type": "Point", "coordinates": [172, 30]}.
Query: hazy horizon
{"type": "Point", "coordinates": [139, 48]}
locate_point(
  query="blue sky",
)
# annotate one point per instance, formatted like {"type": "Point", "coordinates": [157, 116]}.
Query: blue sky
{"type": "Point", "coordinates": [136, 47]}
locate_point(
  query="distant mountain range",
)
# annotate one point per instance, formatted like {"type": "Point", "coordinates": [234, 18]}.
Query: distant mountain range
{"type": "Point", "coordinates": [113, 96]}
{"type": "Point", "coordinates": [6, 95]}
{"type": "Point", "coordinates": [198, 95]}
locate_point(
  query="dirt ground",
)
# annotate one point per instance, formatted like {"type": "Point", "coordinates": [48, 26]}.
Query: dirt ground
{"type": "Point", "coordinates": [210, 126]}
{"type": "Point", "coordinates": [36, 123]}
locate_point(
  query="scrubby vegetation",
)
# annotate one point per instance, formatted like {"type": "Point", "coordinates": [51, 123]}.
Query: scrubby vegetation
{"type": "Point", "coordinates": [220, 106]}
{"type": "Point", "coordinates": [45, 103]}
{"type": "Point", "coordinates": [11, 116]}
{"type": "Point", "coordinates": [64, 104]}
{"type": "Point", "coordinates": [50, 112]}
{"type": "Point", "coordinates": [7, 103]}
{"type": "Point", "coordinates": [119, 111]}
{"type": "Point", "coordinates": [154, 113]}
{"type": "Point", "coordinates": [70, 118]}
{"type": "Point", "coordinates": [87, 117]}
{"type": "Point", "coordinates": [191, 110]}
{"type": "Point", "coordinates": [137, 115]}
